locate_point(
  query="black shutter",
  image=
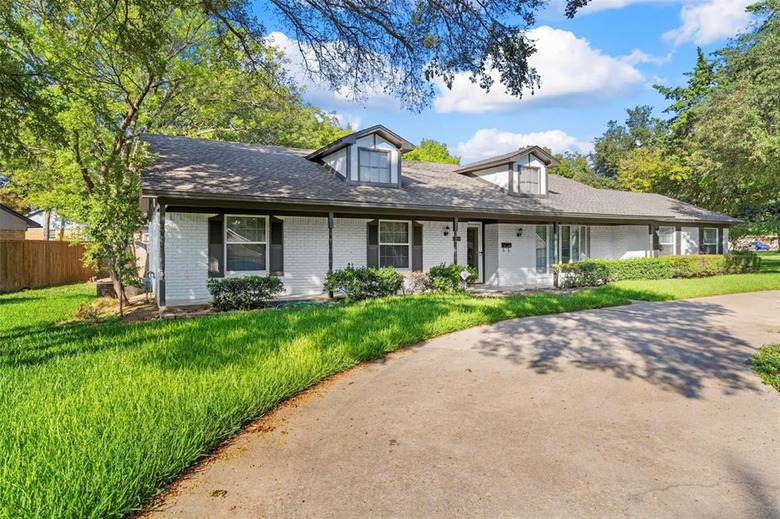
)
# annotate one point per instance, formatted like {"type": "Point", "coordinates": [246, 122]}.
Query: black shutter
{"type": "Point", "coordinates": [417, 247]}
{"type": "Point", "coordinates": [276, 248]}
{"type": "Point", "coordinates": [216, 247]}
{"type": "Point", "coordinates": [372, 258]}
{"type": "Point", "coordinates": [656, 239]}
{"type": "Point", "coordinates": [720, 241]}
{"type": "Point", "coordinates": [702, 250]}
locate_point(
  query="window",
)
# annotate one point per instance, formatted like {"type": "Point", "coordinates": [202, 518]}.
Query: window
{"type": "Point", "coordinates": [373, 166]}
{"type": "Point", "coordinates": [394, 244]}
{"type": "Point", "coordinates": [245, 243]}
{"type": "Point", "coordinates": [544, 250]}
{"type": "Point", "coordinates": [709, 244]}
{"type": "Point", "coordinates": [666, 240]}
{"type": "Point", "coordinates": [575, 243]}
{"type": "Point", "coordinates": [529, 180]}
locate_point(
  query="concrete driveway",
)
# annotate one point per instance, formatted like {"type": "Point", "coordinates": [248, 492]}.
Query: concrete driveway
{"type": "Point", "coordinates": [641, 411]}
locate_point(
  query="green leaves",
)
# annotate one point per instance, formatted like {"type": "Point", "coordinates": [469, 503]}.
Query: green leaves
{"type": "Point", "coordinates": [430, 150]}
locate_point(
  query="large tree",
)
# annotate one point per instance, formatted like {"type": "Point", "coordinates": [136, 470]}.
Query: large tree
{"type": "Point", "coordinates": [640, 130]}
{"type": "Point", "coordinates": [81, 80]}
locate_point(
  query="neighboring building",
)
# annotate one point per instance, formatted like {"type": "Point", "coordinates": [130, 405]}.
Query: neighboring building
{"type": "Point", "coordinates": [224, 209]}
{"type": "Point", "coordinates": [13, 225]}
{"type": "Point", "coordinates": [58, 228]}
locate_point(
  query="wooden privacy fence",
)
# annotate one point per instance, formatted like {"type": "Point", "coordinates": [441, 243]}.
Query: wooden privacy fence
{"type": "Point", "coordinates": [35, 264]}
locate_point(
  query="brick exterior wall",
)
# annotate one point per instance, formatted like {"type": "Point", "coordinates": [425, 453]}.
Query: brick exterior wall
{"type": "Point", "coordinates": [186, 258]}
{"type": "Point", "coordinates": [350, 242]}
{"type": "Point", "coordinates": [14, 235]}
{"type": "Point", "coordinates": [517, 265]}
{"type": "Point", "coordinates": [305, 254]}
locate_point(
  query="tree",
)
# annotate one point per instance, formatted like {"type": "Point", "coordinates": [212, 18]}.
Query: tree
{"type": "Point", "coordinates": [650, 171]}
{"type": "Point", "coordinates": [430, 150]}
{"type": "Point", "coordinates": [640, 130]}
{"type": "Point", "coordinates": [576, 166]}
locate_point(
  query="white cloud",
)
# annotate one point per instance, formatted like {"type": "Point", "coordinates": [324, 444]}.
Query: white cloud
{"type": "Point", "coordinates": [489, 142]}
{"type": "Point", "coordinates": [348, 120]}
{"type": "Point", "coordinates": [637, 56]}
{"type": "Point", "coordinates": [572, 73]}
{"type": "Point", "coordinates": [710, 21]}
{"type": "Point", "coordinates": [318, 92]}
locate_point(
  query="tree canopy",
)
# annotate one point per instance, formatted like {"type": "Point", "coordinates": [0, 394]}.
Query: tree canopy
{"type": "Point", "coordinates": [430, 150]}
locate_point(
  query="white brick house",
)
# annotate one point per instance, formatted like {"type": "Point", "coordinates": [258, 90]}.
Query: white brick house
{"type": "Point", "coordinates": [224, 209]}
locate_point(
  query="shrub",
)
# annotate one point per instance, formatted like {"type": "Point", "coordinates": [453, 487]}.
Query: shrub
{"type": "Point", "coordinates": [446, 278]}
{"type": "Point", "coordinates": [589, 273]}
{"type": "Point", "coordinates": [243, 293]}
{"type": "Point", "coordinates": [365, 282]}
{"type": "Point", "coordinates": [597, 272]}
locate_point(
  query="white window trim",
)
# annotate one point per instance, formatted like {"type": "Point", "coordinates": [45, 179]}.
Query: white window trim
{"type": "Point", "coordinates": [409, 243]}
{"type": "Point", "coordinates": [582, 235]}
{"type": "Point", "coordinates": [237, 273]}
{"type": "Point", "coordinates": [673, 244]}
{"type": "Point", "coordinates": [518, 175]}
{"type": "Point", "coordinates": [389, 155]}
{"type": "Point", "coordinates": [548, 259]}
{"type": "Point", "coordinates": [704, 236]}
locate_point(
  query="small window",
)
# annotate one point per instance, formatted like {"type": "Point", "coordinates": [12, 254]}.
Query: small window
{"type": "Point", "coordinates": [575, 243]}
{"type": "Point", "coordinates": [666, 240]}
{"type": "Point", "coordinates": [245, 243]}
{"type": "Point", "coordinates": [394, 244]}
{"type": "Point", "coordinates": [529, 180]}
{"type": "Point", "coordinates": [373, 166]}
{"type": "Point", "coordinates": [543, 239]}
{"type": "Point", "coordinates": [709, 244]}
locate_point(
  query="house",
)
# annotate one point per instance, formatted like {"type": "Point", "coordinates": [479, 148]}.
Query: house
{"type": "Point", "coordinates": [224, 209]}
{"type": "Point", "coordinates": [13, 225]}
{"type": "Point", "coordinates": [57, 227]}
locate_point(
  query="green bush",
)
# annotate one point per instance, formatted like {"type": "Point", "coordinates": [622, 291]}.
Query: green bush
{"type": "Point", "coordinates": [365, 282]}
{"type": "Point", "coordinates": [243, 293]}
{"type": "Point", "coordinates": [597, 272]}
{"type": "Point", "coordinates": [446, 278]}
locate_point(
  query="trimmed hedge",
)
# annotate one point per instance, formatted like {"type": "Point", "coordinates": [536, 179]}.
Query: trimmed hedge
{"type": "Point", "coordinates": [446, 278]}
{"type": "Point", "coordinates": [365, 282]}
{"type": "Point", "coordinates": [597, 272]}
{"type": "Point", "coordinates": [243, 293]}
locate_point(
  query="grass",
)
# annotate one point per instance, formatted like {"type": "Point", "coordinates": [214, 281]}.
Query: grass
{"type": "Point", "coordinates": [767, 364]}
{"type": "Point", "coordinates": [668, 289]}
{"type": "Point", "coordinates": [95, 420]}
{"type": "Point", "coordinates": [770, 261]}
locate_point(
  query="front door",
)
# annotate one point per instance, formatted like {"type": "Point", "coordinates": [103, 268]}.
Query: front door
{"type": "Point", "coordinates": [472, 249]}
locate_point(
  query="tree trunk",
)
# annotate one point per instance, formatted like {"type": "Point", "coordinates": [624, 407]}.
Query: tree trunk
{"type": "Point", "coordinates": [46, 224]}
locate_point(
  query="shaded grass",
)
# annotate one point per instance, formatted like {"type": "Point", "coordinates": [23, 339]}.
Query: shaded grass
{"type": "Point", "coordinates": [669, 289]}
{"type": "Point", "coordinates": [767, 364]}
{"type": "Point", "coordinates": [95, 420]}
{"type": "Point", "coordinates": [770, 261]}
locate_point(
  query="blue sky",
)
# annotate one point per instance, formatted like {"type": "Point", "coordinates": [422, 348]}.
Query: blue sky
{"type": "Point", "coordinates": [592, 68]}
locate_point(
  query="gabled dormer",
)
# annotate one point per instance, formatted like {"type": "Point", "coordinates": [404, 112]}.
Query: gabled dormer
{"type": "Point", "coordinates": [522, 172]}
{"type": "Point", "coordinates": [371, 156]}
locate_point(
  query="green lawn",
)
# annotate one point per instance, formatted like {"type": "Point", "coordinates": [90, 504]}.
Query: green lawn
{"type": "Point", "coordinates": [667, 289]}
{"type": "Point", "coordinates": [767, 364]}
{"type": "Point", "coordinates": [770, 261]}
{"type": "Point", "coordinates": [95, 420]}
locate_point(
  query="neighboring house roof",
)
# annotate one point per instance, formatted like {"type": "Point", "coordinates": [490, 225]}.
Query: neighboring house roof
{"type": "Point", "coordinates": [188, 168]}
{"type": "Point", "coordinates": [508, 158]}
{"type": "Point", "coordinates": [30, 224]}
{"type": "Point", "coordinates": [399, 142]}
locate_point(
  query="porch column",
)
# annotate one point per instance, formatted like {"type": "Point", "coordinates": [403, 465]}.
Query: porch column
{"type": "Point", "coordinates": [330, 242]}
{"type": "Point", "coordinates": [161, 269]}
{"type": "Point", "coordinates": [455, 240]}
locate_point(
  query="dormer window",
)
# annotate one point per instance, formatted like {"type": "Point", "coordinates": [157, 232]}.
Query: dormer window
{"type": "Point", "coordinates": [374, 166]}
{"type": "Point", "coordinates": [370, 156]}
{"type": "Point", "coordinates": [529, 180]}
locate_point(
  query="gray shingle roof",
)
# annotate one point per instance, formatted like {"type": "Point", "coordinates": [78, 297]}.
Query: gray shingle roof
{"type": "Point", "coordinates": [196, 168]}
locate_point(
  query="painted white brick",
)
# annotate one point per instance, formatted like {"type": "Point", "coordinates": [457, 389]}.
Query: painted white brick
{"type": "Point", "coordinates": [689, 240]}
{"type": "Point", "coordinates": [350, 242]}
{"type": "Point", "coordinates": [305, 254]}
{"type": "Point", "coordinates": [437, 248]}
{"type": "Point", "coordinates": [491, 253]}
{"type": "Point", "coordinates": [517, 265]}
{"type": "Point", "coordinates": [186, 258]}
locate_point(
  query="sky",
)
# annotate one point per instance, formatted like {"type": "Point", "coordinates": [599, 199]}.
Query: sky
{"type": "Point", "coordinates": [592, 68]}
